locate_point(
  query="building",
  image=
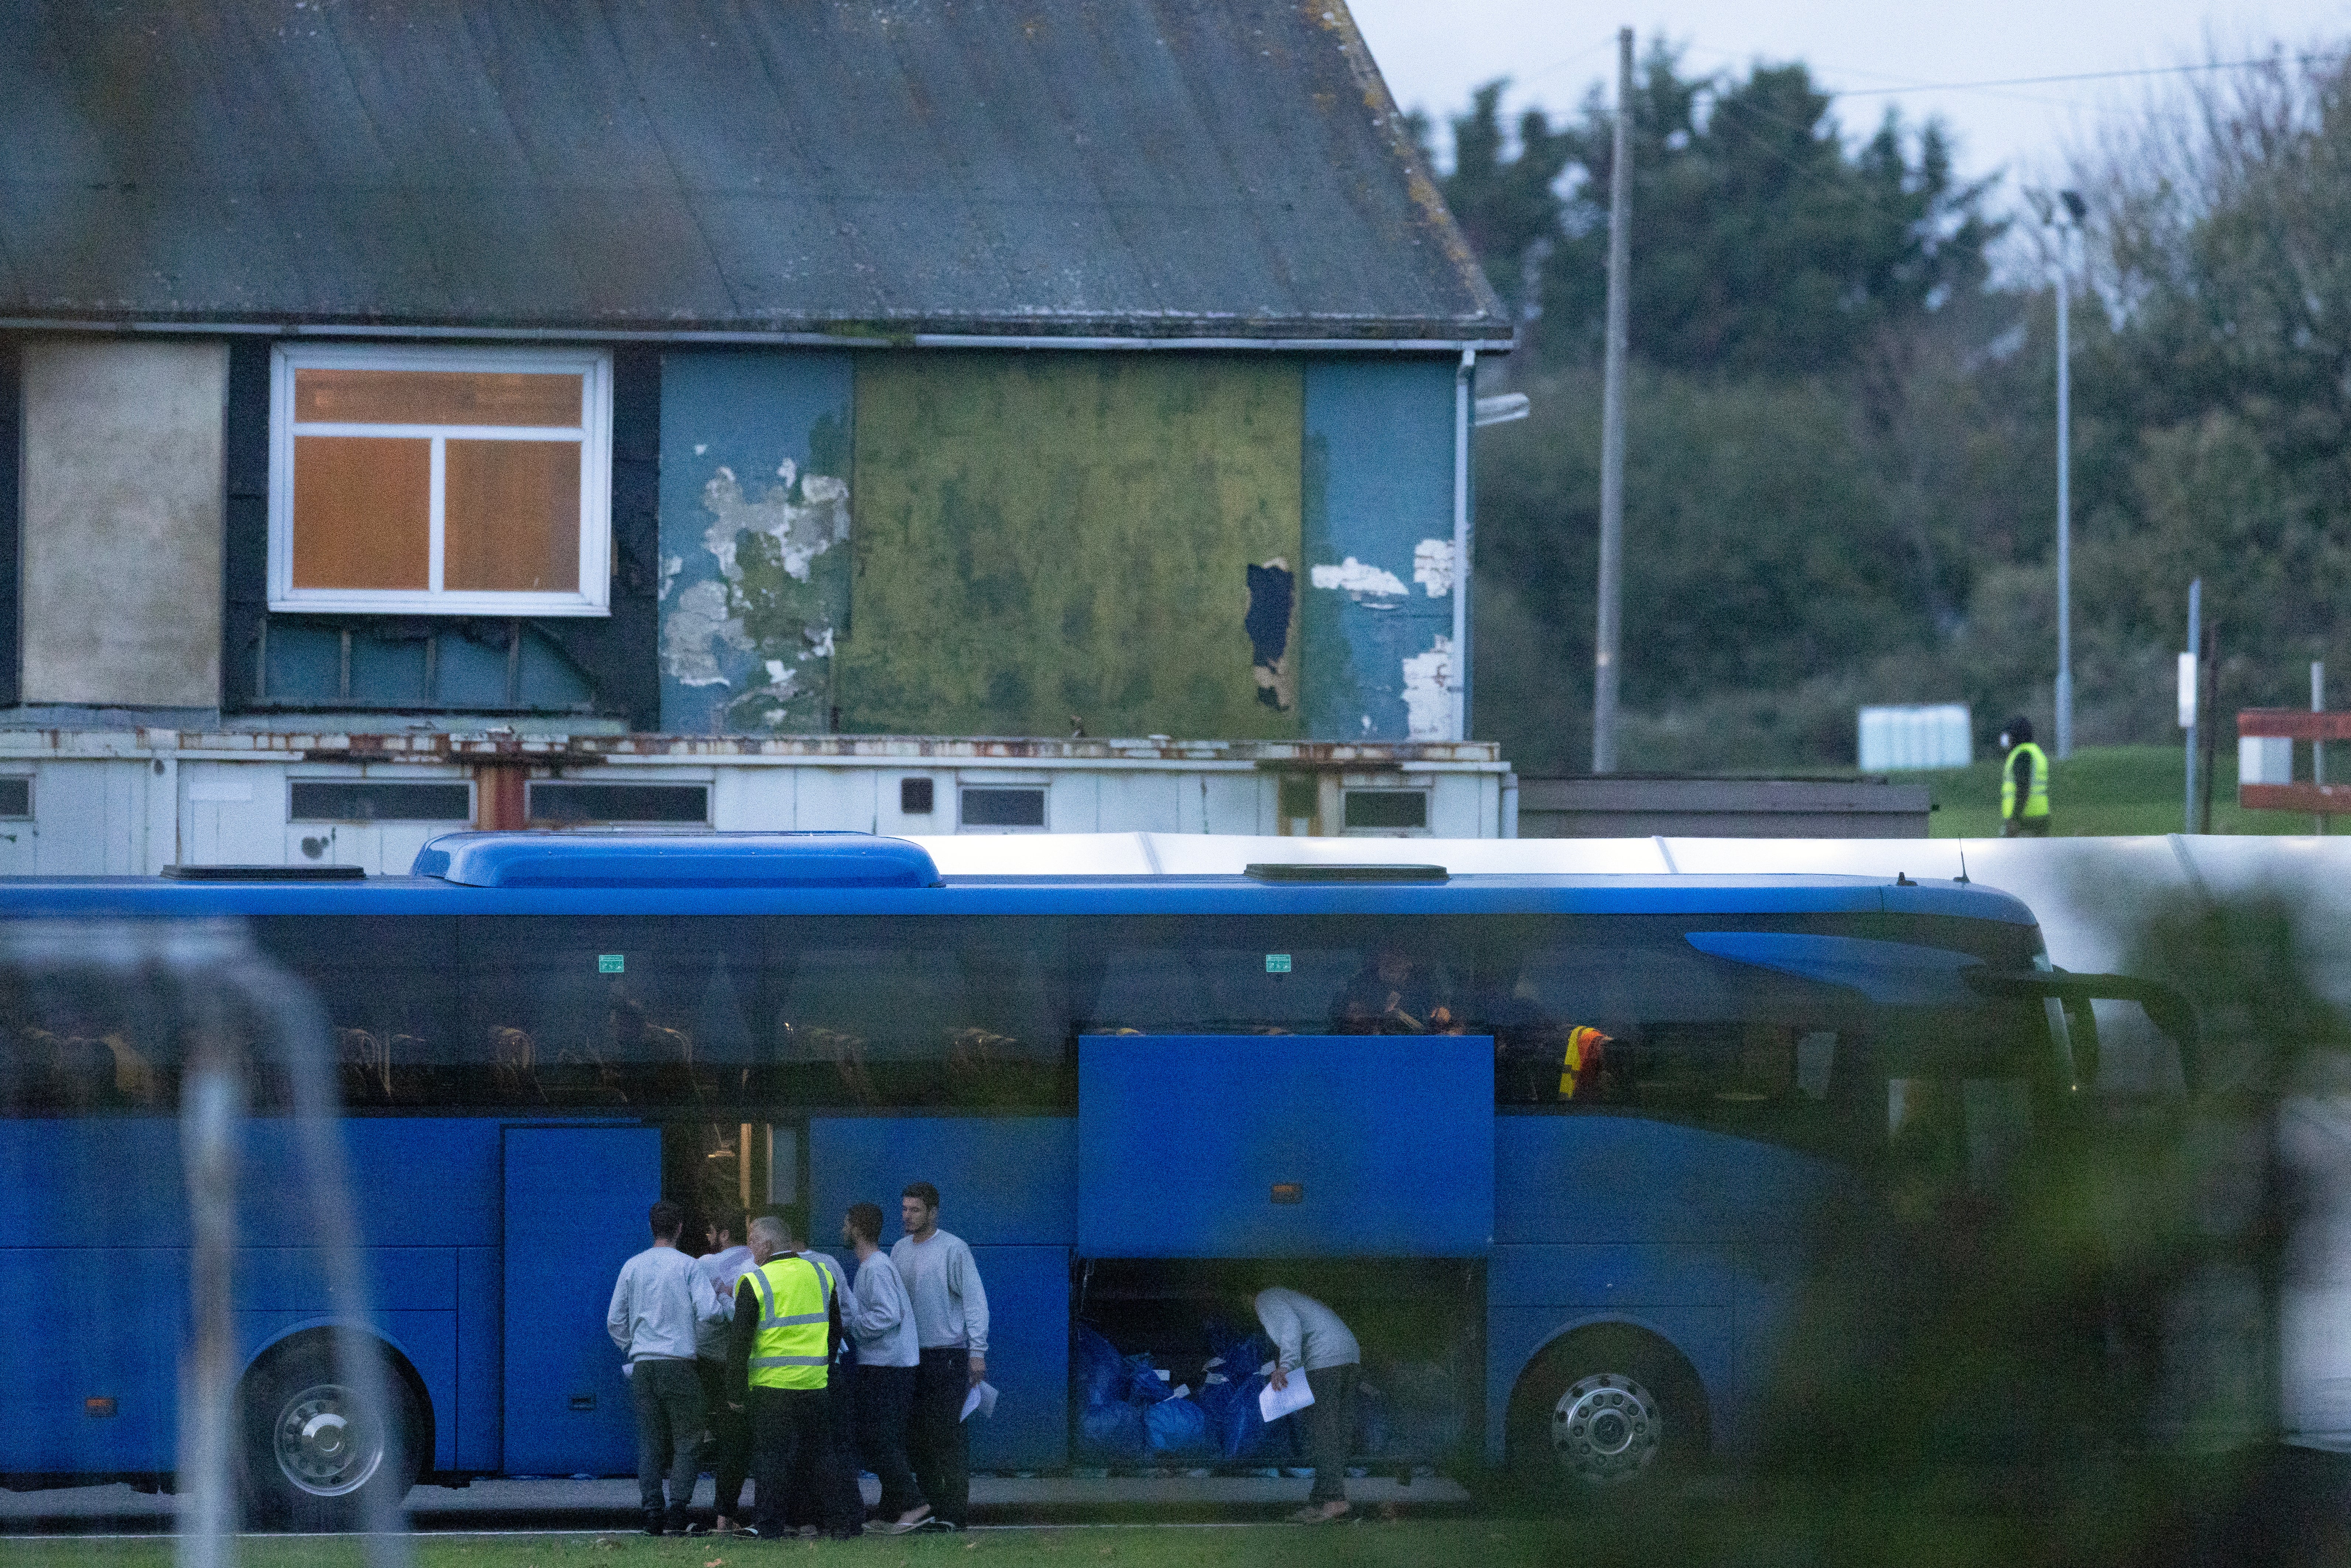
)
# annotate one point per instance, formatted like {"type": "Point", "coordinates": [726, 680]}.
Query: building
{"type": "Point", "coordinates": [760, 414]}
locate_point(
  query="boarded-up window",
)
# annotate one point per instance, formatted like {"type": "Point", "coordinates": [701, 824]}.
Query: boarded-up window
{"type": "Point", "coordinates": [458, 480]}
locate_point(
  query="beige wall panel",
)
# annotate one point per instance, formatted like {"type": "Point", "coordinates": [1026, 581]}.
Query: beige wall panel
{"type": "Point", "coordinates": [122, 522]}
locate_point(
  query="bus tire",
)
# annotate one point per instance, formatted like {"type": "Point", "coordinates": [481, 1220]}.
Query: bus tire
{"type": "Point", "coordinates": [311, 1460]}
{"type": "Point", "coordinates": [1601, 1414]}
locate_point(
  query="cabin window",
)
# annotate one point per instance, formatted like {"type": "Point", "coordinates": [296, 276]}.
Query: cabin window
{"type": "Point", "coordinates": [465, 481]}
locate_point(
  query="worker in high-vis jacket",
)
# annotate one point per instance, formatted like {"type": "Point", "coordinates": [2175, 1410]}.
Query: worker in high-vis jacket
{"type": "Point", "coordinates": [787, 1328]}
{"type": "Point", "coordinates": [2023, 783]}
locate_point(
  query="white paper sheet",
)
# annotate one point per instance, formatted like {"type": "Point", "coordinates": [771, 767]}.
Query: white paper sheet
{"type": "Point", "coordinates": [981, 1398]}
{"type": "Point", "coordinates": [1273, 1403]}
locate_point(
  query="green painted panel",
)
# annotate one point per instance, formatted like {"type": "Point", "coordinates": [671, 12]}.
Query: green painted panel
{"type": "Point", "coordinates": [1049, 535]}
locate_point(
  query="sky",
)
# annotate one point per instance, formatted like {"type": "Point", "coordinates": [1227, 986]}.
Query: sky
{"type": "Point", "coordinates": [1433, 52]}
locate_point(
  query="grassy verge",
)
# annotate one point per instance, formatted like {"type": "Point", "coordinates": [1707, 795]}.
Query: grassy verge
{"type": "Point", "coordinates": [2100, 792]}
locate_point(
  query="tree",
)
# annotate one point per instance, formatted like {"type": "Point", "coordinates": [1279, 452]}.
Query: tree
{"type": "Point", "coordinates": [1761, 247]}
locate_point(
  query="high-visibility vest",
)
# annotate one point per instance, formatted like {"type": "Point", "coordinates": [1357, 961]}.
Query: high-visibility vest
{"type": "Point", "coordinates": [791, 1348]}
{"type": "Point", "coordinates": [1584, 1048]}
{"type": "Point", "coordinates": [2036, 797]}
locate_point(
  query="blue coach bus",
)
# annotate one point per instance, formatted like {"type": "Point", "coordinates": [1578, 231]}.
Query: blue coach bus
{"type": "Point", "coordinates": [1569, 1141]}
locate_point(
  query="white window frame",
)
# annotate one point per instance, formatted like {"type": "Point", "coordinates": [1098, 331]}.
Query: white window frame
{"type": "Point", "coordinates": [594, 434]}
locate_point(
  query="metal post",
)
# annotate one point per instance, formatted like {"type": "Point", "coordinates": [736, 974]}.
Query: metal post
{"type": "Point", "coordinates": [2208, 721]}
{"type": "Point", "coordinates": [1612, 420]}
{"type": "Point", "coordinates": [2317, 746]}
{"type": "Point", "coordinates": [2064, 517]}
{"type": "Point", "coordinates": [1457, 675]}
{"type": "Point", "coordinates": [2192, 682]}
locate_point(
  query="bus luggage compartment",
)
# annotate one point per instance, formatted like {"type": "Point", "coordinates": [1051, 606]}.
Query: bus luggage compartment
{"type": "Point", "coordinates": [1285, 1146]}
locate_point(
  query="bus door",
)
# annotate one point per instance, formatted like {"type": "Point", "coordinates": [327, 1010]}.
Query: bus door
{"type": "Point", "coordinates": [575, 1212]}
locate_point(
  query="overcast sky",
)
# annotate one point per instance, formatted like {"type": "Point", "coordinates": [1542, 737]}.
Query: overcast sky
{"type": "Point", "coordinates": [1433, 52]}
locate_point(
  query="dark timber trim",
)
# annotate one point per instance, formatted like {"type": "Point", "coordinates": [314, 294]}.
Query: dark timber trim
{"type": "Point", "coordinates": [618, 654]}
{"type": "Point", "coordinates": [12, 499]}
{"type": "Point", "coordinates": [244, 553]}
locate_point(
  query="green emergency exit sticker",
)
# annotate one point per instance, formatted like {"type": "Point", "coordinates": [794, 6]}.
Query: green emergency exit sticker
{"type": "Point", "coordinates": [1277, 963]}
{"type": "Point", "coordinates": [612, 964]}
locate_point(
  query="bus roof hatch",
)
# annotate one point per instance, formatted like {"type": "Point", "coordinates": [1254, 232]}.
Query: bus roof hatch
{"type": "Point", "coordinates": [675, 860]}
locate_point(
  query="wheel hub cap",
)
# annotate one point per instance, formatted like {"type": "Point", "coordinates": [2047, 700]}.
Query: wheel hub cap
{"type": "Point", "coordinates": [1605, 1429]}
{"type": "Point", "coordinates": [321, 1449]}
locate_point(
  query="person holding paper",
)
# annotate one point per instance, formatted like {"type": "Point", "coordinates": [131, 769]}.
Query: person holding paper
{"type": "Point", "coordinates": [889, 1359]}
{"type": "Point", "coordinates": [951, 1324]}
{"type": "Point", "coordinates": [1310, 1341]}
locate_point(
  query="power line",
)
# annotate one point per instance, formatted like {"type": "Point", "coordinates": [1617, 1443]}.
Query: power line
{"type": "Point", "coordinates": [2079, 76]}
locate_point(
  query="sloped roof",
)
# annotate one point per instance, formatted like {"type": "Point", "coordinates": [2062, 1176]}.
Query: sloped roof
{"type": "Point", "coordinates": [1153, 168]}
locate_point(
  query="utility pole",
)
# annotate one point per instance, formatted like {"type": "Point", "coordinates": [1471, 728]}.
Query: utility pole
{"type": "Point", "coordinates": [2076, 210]}
{"type": "Point", "coordinates": [1612, 420]}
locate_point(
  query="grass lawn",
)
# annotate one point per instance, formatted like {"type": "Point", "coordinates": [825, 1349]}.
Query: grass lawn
{"type": "Point", "coordinates": [1365, 1545]}
{"type": "Point", "coordinates": [2102, 791]}
{"type": "Point", "coordinates": [1451, 1543]}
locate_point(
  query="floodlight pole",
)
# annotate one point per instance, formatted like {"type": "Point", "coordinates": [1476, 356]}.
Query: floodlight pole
{"type": "Point", "coordinates": [2064, 510]}
{"type": "Point", "coordinates": [1611, 587]}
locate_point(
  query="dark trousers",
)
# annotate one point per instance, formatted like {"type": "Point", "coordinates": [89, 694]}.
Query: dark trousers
{"type": "Point", "coordinates": [816, 1500]}
{"type": "Point", "coordinates": [937, 1440]}
{"type": "Point", "coordinates": [885, 1400]}
{"type": "Point", "coordinates": [790, 1433]}
{"type": "Point", "coordinates": [1330, 1430]}
{"type": "Point", "coordinates": [669, 1432]}
{"type": "Point", "coordinates": [730, 1436]}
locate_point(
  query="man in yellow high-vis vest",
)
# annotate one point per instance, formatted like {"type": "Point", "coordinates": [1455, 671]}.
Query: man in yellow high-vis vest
{"type": "Point", "coordinates": [2023, 783]}
{"type": "Point", "coordinates": [786, 1327]}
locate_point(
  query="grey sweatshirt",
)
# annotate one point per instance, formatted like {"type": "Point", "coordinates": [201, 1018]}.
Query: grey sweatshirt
{"type": "Point", "coordinates": [724, 1270]}
{"type": "Point", "coordinates": [1304, 1331]}
{"type": "Point", "coordinates": [950, 1303]}
{"type": "Point", "coordinates": [659, 1300]}
{"type": "Point", "coordinates": [883, 1324]}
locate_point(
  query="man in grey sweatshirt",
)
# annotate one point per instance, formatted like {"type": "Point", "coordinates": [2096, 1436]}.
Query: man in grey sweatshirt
{"type": "Point", "coordinates": [951, 1326]}
{"type": "Point", "coordinates": [1309, 1340]}
{"type": "Point", "coordinates": [659, 1301]}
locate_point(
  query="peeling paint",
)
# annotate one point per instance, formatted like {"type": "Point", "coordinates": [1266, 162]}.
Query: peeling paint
{"type": "Point", "coordinates": [694, 630]}
{"type": "Point", "coordinates": [1432, 566]}
{"type": "Point", "coordinates": [754, 531]}
{"type": "Point", "coordinates": [1374, 587]}
{"type": "Point", "coordinates": [1427, 692]}
{"type": "Point", "coordinates": [802, 529]}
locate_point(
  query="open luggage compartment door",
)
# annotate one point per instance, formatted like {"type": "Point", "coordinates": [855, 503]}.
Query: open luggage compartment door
{"type": "Point", "coordinates": [1285, 1146]}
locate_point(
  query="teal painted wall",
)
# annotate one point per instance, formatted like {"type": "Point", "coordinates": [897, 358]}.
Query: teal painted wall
{"type": "Point", "coordinates": [754, 460]}
{"type": "Point", "coordinates": [1377, 621]}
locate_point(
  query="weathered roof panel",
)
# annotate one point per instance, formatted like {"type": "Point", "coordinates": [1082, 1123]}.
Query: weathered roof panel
{"type": "Point", "coordinates": [1151, 168]}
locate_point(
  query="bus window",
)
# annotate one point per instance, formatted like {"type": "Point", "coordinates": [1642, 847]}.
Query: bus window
{"type": "Point", "coordinates": [608, 1011]}
{"type": "Point", "coordinates": [385, 986]}
{"type": "Point", "coordinates": [71, 1049]}
{"type": "Point", "coordinates": [1312, 974]}
{"type": "Point", "coordinates": [1626, 1015]}
{"type": "Point", "coordinates": [936, 1012]}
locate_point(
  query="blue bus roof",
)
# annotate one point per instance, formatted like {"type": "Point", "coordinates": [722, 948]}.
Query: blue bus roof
{"type": "Point", "coordinates": [864, 874]}
{"type": "Point", "coordinates": [156, 898]}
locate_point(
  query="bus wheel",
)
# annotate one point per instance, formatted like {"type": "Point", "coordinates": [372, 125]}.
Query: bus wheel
{"type": "Point", "coordinates": [1603, 1413]}
{"type": "Point", "coordinates": [314, 1459]}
